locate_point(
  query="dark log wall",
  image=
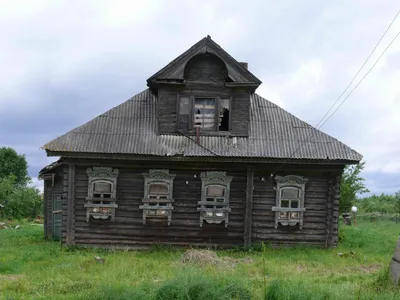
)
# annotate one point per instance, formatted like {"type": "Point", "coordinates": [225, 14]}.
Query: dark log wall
{"type": "Point", "coordinates": [49, 191]}
{"type": "Point", "coordinates": [320, 226]}
{"type": "Point", "coordinates": [128, 231]}
{"type": "Point", "coordinates": [167, 106]}
{"type": "Point", "coordinates": [320, 218]}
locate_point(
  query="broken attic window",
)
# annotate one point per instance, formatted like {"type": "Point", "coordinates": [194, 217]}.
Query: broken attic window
{"type": "Point", "coordinates": [184, 108]}
{"type": "Point", "coordinates": [204, 113]}
{"type": "Point", "coordinates": [224, 114]}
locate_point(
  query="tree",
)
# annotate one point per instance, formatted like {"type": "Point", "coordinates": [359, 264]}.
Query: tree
{"type": "Point", "coordinates": [397, 205]}
{"type": "Point", "coordinates": [13, 164]}
{"type": "Point", "coordinates": [351, 185]}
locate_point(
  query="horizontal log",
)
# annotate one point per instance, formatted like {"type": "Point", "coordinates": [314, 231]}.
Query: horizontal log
{"type": "Point", "coordinates": [289, 237]}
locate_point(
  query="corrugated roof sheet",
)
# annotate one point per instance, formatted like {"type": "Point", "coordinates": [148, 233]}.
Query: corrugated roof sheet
{"type": "Point", "coordinates": [131, 127]}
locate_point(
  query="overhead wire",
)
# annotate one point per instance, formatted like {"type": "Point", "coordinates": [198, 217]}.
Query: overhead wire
{"type": "Point", "coordinates": [319, 124]}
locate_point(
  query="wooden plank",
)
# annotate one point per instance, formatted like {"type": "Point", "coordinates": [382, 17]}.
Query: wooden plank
{"type": "Point", "coordinates": [70, 206]}
{"type": "Point", "coordinates": [249, 206]}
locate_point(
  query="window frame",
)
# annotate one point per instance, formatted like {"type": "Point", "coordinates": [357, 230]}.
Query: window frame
{"type": "Point", "coordinates": [95, 206]}
{"type": "Point", "coordinates": [283, 214]}
{"type": "Point", "coordinates": [191, 126]}
{"type": "Point", "coordinates": [156, 207]}
{"type": "Point", "coordinates": [214, 179]}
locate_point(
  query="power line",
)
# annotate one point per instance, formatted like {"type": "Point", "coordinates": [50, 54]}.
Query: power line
{"type": "Point", "coordinates": [366, 74]}
{"type": "Point", "coordinates": [359, 70]}
{"type": "Point", "coordinates": [369, 56]}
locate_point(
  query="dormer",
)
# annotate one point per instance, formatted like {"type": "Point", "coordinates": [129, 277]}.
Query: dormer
{"type": "Point", "coordinates": [204, 91]}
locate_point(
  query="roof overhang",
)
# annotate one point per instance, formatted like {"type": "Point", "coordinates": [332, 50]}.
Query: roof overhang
{"type": "Point", "coordinates": [215, 158]}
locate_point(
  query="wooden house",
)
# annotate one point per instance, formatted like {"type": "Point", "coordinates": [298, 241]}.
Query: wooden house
{"type": "Point", "coordinates": [198, 158]}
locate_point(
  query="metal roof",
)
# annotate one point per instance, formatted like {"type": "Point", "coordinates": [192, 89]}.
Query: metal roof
{"type": "Point", "coordinates": [131, 128]}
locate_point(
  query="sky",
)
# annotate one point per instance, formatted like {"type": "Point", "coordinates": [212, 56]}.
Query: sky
{"type": "Point", "coordinates": [65, 62]}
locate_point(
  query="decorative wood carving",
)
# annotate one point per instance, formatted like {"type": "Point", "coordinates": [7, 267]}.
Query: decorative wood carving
{"type": "Point", "coordinates": [158, 204]}
{"type": "Point", "coordinates": [214, 208]}
{"type": "Point", "coordinates": [289, 215]}
{"type": "Point", "coordinates": [101, 205]}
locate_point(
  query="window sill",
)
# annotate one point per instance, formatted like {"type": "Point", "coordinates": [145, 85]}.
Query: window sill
{"type": "Point", "coordinates": [287, 209]}
{"type": "Point", "coordinates": [89, 205]}
{"type": "Point", "coordinates": [214, 209]}
{"type": "Point", "coordinates": [95, 199]}
{"type": "Point", "coordinates": [150, 200]}
{"type": "Point", "coordinates": [213, 203]}
{"type": "Point", "coordinates": [210, 133]}
{"type": "Point", "coordinates": [145, 207]}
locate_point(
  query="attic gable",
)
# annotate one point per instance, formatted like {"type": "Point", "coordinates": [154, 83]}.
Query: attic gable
{"type": "Point", "coordinates": [174, 72]}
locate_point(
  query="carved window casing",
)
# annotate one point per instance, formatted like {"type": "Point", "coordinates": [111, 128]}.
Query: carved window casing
{"type": "Point", "coordinates": [101, 199]}
{"type": "Point", "coordinates": [289, 207]}
{"type": "Point", "coordinates": [158, 195]}
{"type": "Point", "coordinates": [215, 193]}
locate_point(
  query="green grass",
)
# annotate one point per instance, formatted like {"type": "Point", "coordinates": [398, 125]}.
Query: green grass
{"type": "Point", "coordinates": [33, 268]}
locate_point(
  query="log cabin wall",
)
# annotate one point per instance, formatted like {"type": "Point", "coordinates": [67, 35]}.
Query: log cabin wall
{"type": "Point", "coordinates": [321, 201]}
{"type": "Point", "coordinates": [128, 230]}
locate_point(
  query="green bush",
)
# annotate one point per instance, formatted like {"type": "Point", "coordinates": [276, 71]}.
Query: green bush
{"type": "Point", "coordinates": [19, 201]}
{"type": "Point", "coordinates": [382, 203]}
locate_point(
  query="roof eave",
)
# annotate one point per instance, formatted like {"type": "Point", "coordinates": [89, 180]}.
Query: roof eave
{"type": "Point", "coordinates": [271, 160]}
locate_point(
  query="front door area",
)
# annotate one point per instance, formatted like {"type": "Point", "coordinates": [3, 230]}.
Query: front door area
{"type": "Point", "coordinates": [57, 216]}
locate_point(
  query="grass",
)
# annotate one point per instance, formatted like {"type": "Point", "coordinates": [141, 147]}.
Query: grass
{"type": "Point", "coordinates": [34, 268]}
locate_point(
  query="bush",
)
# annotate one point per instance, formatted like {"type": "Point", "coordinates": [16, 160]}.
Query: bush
{"type": "Point", "coordinates": [382, 203]}
{"type": "Point", "coordinates": [19, 201]}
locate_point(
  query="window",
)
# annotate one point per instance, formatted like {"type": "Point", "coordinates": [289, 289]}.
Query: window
{"type": "Point", "coordinates": [209, 114]}
{"type": "Point", "coordinates": [157, 200]}
{"type": "Point", "coordinates": [101, 199]}
{"type": "Point", "coordinates": [214, 204]}
{"type": "Point", "coordinates": [204, 113]}
{"type": "Point", "coordinates": [184, 115]}
{"type": "Point", "coordinates": [224, 111]}
{"type": "Point", "coordinates": [289, 207]}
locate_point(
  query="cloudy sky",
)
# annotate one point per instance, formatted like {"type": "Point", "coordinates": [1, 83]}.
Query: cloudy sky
{"type": "Point", "coordinates": [65, 62]}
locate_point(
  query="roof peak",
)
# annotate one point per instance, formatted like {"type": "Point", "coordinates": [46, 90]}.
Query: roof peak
{"type": "Point", "coordinates": [174, 71]}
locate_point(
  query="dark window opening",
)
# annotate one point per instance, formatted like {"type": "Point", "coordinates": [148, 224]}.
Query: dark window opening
{"type": "Point", "coordinates": [224, 112]}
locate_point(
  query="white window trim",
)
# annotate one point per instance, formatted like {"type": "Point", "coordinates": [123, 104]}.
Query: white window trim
{"type": "Point", "coordinates": [151, 206]}
{"type": "Point", "coordinates": [214, 179]}
{"type": "Point", "coordinates": [101, 174]}
{"type": "Point", "coordinates": [289, 181]}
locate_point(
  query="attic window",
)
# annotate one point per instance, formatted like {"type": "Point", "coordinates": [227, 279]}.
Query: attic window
{"type": "Point", "coordinates": [289, 207]}
{"type": "Point", "coordinates": [208, 114]}
{"type": "Point", "coordinates": [204, 113]}
{"type": "Point", "coordinates": [101, 200]}
{"type": "Point", "coordinates": [157, 200]}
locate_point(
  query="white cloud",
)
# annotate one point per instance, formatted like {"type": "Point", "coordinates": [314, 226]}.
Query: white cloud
{"type": "Point", "coordinates": [304, 54]}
